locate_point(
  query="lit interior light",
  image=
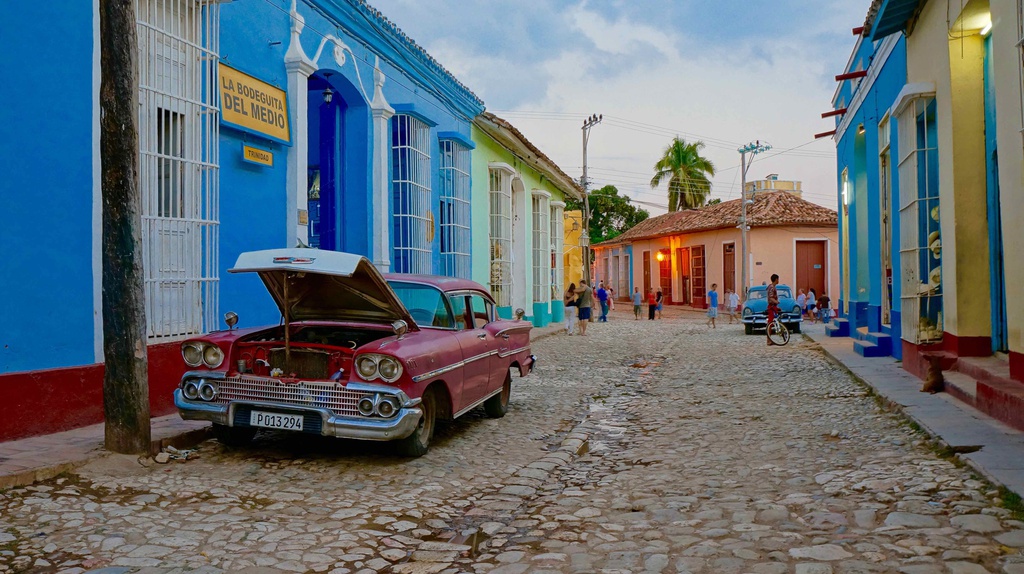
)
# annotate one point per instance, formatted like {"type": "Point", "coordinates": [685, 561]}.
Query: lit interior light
{"type": "Point", "coordinates": [986, 29]}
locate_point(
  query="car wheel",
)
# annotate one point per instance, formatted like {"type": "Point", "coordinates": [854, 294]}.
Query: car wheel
{"type": "Point", "coordinates": [497, 406]}
{"type": "Point", "coordinates": [418, 443]}
{"type": "Point", "coordinates": [748, 329]}
{"type": "Point", "coordinates": [794, 328]}
{"type": "Point", "coordinates": [233, 436]}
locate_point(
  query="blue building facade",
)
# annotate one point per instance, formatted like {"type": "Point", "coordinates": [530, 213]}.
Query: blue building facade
{"type": "Point", "coordinates": [266, 124]}
{"type": "Point", "coordinates": [868, 183]}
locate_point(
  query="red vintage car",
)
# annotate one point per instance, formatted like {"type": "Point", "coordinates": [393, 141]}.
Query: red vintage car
{"type": "Point", "coordinates": [357, 355]}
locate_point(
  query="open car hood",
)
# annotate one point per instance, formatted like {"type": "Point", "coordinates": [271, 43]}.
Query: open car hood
{"type": "Point", "coordinates": [325, 286]}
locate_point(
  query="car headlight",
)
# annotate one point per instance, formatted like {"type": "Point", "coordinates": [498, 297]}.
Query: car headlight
{"type": "Point", "coordinates": [213, 356]}
{"type": "Point", "coordinates": [367, 367]}
{"type": "Point", "coordinates": [390, 369]}
{"type": "Point", "coordinates": [747, 311]}
{"type": "Point", "coordinates": [192, 353]}
{"type": "Point", "coordinates": [796, 309]}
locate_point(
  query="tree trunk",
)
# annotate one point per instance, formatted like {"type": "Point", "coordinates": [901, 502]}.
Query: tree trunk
{"type": "Point", "coordinates": [125, 381]}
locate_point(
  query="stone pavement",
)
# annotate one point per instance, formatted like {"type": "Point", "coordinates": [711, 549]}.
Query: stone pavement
{"type": "Point", "coordinates": [647, 446]}
{"type": "Point", "coordinates": [992, 448]}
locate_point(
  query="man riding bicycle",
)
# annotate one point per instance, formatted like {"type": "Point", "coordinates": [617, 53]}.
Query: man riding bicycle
{"type": "Point", "coordinates": [773, 306]}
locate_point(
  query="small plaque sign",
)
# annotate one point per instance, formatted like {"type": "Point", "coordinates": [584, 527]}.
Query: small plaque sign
{"type": "Point", "coordinates": [257, 155]}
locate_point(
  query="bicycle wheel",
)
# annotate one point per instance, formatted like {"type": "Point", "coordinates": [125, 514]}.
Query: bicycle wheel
{"type": "Point", "coordinates": [778, 333]}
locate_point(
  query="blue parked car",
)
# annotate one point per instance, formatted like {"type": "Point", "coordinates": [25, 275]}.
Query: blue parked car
{"type": "Point", "coordinates": [755, 309]}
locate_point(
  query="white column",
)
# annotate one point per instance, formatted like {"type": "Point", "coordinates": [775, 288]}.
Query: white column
{"type": "Point", "coordinates": [382, 112]}
{"type": "Point", "coordinates": [298, 154]}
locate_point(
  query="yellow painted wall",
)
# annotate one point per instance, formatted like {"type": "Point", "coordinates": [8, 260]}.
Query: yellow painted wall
{"type": "Point", "coordinates": [1006, 62]}
{"type": "Point", "coordinates": [572, 258]}
{"type": "Point", "coordinates": [955, 68]}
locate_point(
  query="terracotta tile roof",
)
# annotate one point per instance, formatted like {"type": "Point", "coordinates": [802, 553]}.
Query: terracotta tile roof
{"type": "Point", "coordinates": [770, 209]}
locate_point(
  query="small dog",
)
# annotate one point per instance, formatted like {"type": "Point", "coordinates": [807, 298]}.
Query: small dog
{"type": "Point", "coordinates": [933, 380]}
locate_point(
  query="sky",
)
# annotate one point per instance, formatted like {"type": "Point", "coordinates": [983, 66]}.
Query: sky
{"type": "Point", "coordinates": [727, 72]}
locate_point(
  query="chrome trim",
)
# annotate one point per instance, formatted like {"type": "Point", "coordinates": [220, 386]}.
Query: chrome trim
{"type": "Point", "coordinates": [397, 427]}
{"type": "Point", "coordinates": [437, 372]}
{"type": "Point", "coordinates": [478, 357]}
{"type": "Point", "coordinates": [513, 352]}
{"type": "Point", "coordinates": [476, 404]}
{"type": "Point", "coordinates": [511, 329]}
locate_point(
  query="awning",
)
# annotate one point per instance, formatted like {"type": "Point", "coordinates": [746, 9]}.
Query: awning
{"type": "Point", "coordinates": [892, 17]}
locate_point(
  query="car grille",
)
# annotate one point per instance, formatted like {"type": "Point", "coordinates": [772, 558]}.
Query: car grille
{"type": "Point", "coordinates": [305, 394]}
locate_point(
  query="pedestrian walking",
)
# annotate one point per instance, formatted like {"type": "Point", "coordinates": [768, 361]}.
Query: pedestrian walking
{"type": "Point", "coordinates": [569, 301]}
{"type": "Point", "coordinates": [611, 299]}
{"type": "Point", "coordinates": [638, 301]}
{"type": "Point", "coordinates": [824, 308]}
{"type": "Point", "coordinates": [773, 306]}
{"type": "Point", "coordinates": [712, 306]}
{"type": "Point", "coordinates": [652, 304]}
{"type": "Point", "coordinates": [602, 297]}
{"type": "Point", "coordinates": [801, 301]}
{"type": "Point", "coordinates": [733, 301]}
{"type": "Point", "coordinates": [812, 305]}
{"type": "Point", "coordinates": [585, 299]}
{"type": "Point", "coordinates": [660, 299]}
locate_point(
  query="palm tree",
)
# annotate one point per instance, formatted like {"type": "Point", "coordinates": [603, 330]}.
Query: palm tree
{"type": "Point", "coordinates": [688, 174]}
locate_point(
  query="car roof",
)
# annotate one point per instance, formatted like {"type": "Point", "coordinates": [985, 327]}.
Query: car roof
{"type": "Point", "coordinates": [764, 287]}
{"type": "Point", "coordinates": [442, 282]}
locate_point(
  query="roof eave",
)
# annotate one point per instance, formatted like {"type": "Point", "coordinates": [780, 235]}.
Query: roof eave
{"type": "Point", "coordinates": [526, 151]}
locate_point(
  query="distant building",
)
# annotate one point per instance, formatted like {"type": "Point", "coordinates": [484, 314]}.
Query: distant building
{"type": "Point", "coordinates": [684, 252]}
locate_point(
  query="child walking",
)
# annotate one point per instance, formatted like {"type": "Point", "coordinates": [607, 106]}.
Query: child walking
{"type": "Point", "coordinates": [712, 306]}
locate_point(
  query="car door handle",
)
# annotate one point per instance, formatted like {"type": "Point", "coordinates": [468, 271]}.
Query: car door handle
{"type": "Point", "coordinates": [482, 336]}
{"type": "Point", "coordinates": [505, 336]}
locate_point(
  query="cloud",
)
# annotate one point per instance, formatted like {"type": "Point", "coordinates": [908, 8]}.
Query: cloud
{"type": "Point", "coordinates": [728, 72]}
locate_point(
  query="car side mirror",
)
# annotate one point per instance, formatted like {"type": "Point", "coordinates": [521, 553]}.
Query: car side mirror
{"type": "Point", "coordinates": [520, 313]}
{"type": "Point", "coordinates": [400, 328]}
{"type": "Point", "coordinates": [231, 318]}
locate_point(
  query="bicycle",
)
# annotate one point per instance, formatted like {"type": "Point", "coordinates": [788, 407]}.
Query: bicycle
{"type": "Point", "coordinates": [776, 330]}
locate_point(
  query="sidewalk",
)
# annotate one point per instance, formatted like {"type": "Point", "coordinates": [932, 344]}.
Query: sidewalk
{"type": "Point", "coordinates": [993, 449]}
{"type": "Point", "coordinates": [43, 457]}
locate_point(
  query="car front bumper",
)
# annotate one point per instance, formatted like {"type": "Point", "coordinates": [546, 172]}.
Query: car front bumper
{"type": "Point", "coordinates": [762, 320]}
{"type": "Point", "coordinates": [364, 428]}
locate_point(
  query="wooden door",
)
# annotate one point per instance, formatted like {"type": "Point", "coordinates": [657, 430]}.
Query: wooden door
{"type": "Point", "coordinates": [683, 260]}
{"type": "Point", "coordinates": [665, 275]}
{"type": "Point", "coordinates": [729, 267]}
{"type": "Point", "coordinates": [647, 272]}
{"type": "Point", "coordinates": [697, 266]}
{"type": "Point", "coordinates": [810, 267]}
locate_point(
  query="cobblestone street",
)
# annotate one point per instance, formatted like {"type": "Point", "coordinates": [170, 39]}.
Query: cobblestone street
{"type": "Point", "coordinates": [646, 446]}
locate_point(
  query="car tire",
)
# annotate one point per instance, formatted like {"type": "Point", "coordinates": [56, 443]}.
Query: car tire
{"type": "Point", "coordinates": [418, 443]}
{"type": "Point", "coordinates": [794, 328]}
{"type": "Point", "coordinates": [497, 406]}
{"type": "Point", "coordinates": [233, 436]}
{"type": "Point", "coordinates": [748, 329]}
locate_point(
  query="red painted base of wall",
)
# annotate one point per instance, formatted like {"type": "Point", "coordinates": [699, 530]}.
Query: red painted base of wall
{"type": "Point", "coordinates": [1017, 366]}
{"type": "Point", "coordinates": [915, 357]}
{"type": "Point", "coordinates": [42, 402]}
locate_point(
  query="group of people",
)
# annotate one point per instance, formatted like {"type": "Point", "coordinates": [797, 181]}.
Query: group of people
{"type": "Point", "coordinates": [579, 300]}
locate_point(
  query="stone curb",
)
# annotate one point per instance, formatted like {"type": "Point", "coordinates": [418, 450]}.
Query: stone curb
{"type": "Point", "coordinates": [894, 406]}
{"type": "Point", "coordinates": [182, 440]}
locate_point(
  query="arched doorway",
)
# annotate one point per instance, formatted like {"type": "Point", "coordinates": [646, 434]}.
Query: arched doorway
{"type": "Point", "coordinates": [338, 188]}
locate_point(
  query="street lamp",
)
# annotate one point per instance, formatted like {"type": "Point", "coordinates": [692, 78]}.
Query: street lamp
{"type": "Point", "coordinates": [753, 148]}
{"type": "Point", "coordinates": [587, 124]}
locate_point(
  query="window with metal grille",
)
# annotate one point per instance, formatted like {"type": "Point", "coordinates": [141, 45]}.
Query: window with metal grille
{"type": "Point", "coordinates": [697, 268]}
{"type": "Point", "coordinates": [920, 237]}
{"type": "Point", "coordinates": [501, 236]}
{"type": "Point", "coordinates": [455, 209]}
{"type": "Point", "coordinates": [179, 164]}
{"type": "Point", "coordinates": [413, 222]}
{"type": "Point", "coordinates": [541, 246]}
{"type": "Point", "coordinates": [557, 224]}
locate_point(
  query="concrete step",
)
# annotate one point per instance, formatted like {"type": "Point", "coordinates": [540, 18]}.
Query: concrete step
{"type": "Point", "coordinates": [838, 328]}
{"type": "Point", "coordinates": [1002, 399]}
{"type": "Point", "coordinates": [983, 368]}
{"type": "Point", "coordinates": [961, 387]}
{"type": "Point", "coordinates": [867, 349]}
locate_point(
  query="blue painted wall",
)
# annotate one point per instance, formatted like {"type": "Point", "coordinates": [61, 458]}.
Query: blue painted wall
{"type": "Point", "coordinates": [859, 153]}
{"type": "Point", "coordinates": [46, 188]}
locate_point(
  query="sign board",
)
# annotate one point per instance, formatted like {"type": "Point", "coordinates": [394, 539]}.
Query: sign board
{"type": "Point", "coordinates": [817, 265]}
{"type": "Point", "coordinates": [253, 105]}
{"type": "Point", "coordinates": [258, 156]}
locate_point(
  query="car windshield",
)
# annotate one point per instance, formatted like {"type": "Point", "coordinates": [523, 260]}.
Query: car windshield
{"type": "Point", "coordinates": [784, 293]}
{"type": "Point", "coordinates": [755, 295]}
{"type": "Point", "coordinates": [426, 303]}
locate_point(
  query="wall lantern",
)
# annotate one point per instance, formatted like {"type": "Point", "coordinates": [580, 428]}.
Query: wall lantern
{"type": "Point", "coordinates": [328, 93]}
{"type": "Point", "coordinates": [660, 256]}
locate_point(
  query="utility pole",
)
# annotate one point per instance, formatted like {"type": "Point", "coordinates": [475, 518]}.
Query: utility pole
{"type": "Point", "coordinates": [753, 149]}
{"type": "Point", "coordinates": [587, 124]}
{"type": "Point", "coordinates": [125, 380]}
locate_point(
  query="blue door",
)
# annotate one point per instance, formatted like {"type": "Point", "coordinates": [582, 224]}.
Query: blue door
{"type": "Point", "coordinates": [995, 228]}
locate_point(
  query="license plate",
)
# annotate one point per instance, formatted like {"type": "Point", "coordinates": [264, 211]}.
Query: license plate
{"type": "Point", "coordinates": [275, 420]}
